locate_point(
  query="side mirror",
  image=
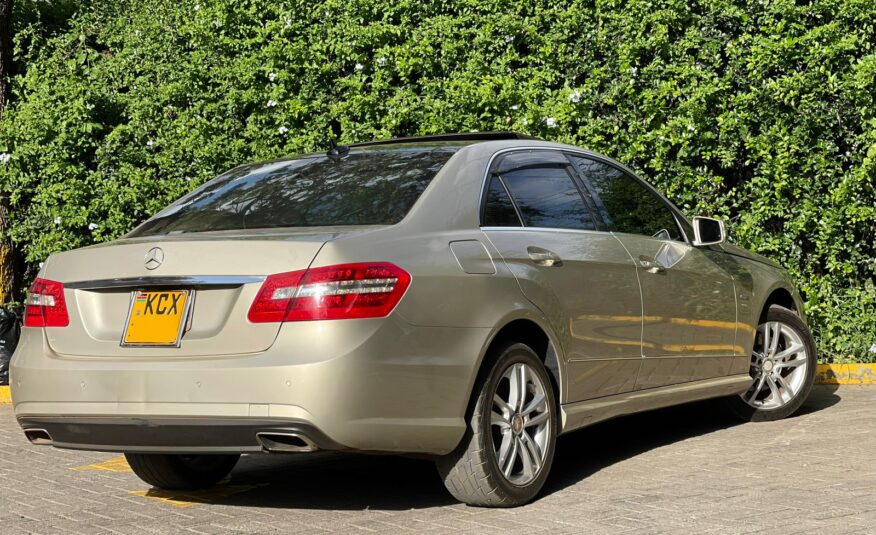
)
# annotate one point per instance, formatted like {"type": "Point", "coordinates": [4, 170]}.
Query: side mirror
{"type": "Point", "coordinates": [708, 231]}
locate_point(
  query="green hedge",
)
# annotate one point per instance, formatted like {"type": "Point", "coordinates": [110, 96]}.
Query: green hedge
{"type": "Point", "coordinates": [763, 113]}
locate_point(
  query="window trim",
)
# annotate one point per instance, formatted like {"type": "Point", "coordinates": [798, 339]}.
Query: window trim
{"type": "Point", "coordinates": [676, 213]}
{"type": "Point", "coordinates": [570, 169]}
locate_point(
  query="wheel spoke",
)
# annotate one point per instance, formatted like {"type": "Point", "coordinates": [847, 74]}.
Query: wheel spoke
{"type": "Point", "coordinates": [505, 450]}
{"type": "Point", "coordinates": [507, 411]}
{"type": "Point", "coordinates": [508, 465]}
{"type": "Point", "coordinates": [537, 419]}
{"type": "Point", "coordinates": [775, 335]}
{"type": "Point", "coordinates": [774, 390]}
{"type": "Point", "coordinates": [791, 363]}
{"type": "Point", "coordinates": [500, 420]}
{"type": "Point", "coordinates": [758, 388]}
{"type": "Point", "coordinates": [521, 385]}
{"type": "Point", "coordinates": [529, 455]}
{"type": "Point", "coordinates": [536, 402]}
{"type": "Point", "coordinates": [793, 349]}
{"type": "Point", "coordinates": [785, 386]}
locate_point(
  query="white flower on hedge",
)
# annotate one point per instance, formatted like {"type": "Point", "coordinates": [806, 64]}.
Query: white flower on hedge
{"type": "Point", "coordinates": [57, 220]}
{"type": "Point", "coordinates": [197, 7]}
{"type": "Point", "coordinates": [150, 143]}
{"type": "Point", "coordinates": [272, 76]}
{"type": "Point", "coordinates": [92, 226]}
{"type": "Point", "coordinates": [359, 67]}
{"type": "Point", "coordinates": [282, 130]}
{"type": "Point", "coordinates": [5, 157]}
{"type": "Point", "coordinates": [873, 348]}
{"type": "Point", "coordinates": [272, 103]}
{"type": "Point", "coordinates": [515, 107]}
{"type": "Point", "coordinates": [509, 38]}
{"type": "Point", "coordinates": [575, 97]}
{"type": "Point", "coordinates": [381, 62]}
{"type": "Point", "coordinates": [42, 264]}
{"type": "Point", "coordinates": [288, 21]}
{"type": "Point", "coordinates": [551, 122]}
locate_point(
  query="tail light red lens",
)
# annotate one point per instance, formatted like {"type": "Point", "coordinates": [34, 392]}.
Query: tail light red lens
{"type": "Point", "coordinates": [334, 292]}
{"type": "Point", "coordinates": [45, 306]}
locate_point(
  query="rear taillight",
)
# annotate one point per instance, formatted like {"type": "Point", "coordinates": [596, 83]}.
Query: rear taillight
{"type": "Point", "coordinates": [45, 306]}
{"type": "Point", "coordinates": [335, 292]}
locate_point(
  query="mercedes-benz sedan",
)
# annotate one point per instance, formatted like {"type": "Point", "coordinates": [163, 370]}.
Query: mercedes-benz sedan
{"type": "Point", "coordinates": [464, 297]}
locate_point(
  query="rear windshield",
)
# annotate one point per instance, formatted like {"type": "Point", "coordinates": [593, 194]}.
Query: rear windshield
{"type": "Point", "coordinates": [367, 187]}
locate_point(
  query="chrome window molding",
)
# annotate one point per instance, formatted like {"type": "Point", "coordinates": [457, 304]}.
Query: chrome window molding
{"type": "Point", "coordinates": [586, 154]}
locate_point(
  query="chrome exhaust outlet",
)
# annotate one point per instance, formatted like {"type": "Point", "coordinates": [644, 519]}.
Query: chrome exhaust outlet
{"type": "Point", "coordinates": [286, 442]}
{"type": "Point", "coordinates": [40, 437]}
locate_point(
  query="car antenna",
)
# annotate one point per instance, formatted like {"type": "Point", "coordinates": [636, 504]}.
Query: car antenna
{"type": "Point", "coordinates": [335, 150]}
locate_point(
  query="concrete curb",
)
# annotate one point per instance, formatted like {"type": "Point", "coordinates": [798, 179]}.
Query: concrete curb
{"type": "Point", "coordinates": [826, 374]}
{"type": "Point", "coordinates": [846, 374]}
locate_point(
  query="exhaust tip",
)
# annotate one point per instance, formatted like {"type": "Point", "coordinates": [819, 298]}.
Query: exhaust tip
{"type": "Point", "coordinates": [40, 437]}
{"type": "Point", "coordinates": [286, 442]}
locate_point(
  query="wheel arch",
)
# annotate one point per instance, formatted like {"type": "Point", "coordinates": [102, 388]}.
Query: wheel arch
{"type": "Point", "coordinates": [528, 329]}
{"type": "Point", "coordinates": [783, 297]}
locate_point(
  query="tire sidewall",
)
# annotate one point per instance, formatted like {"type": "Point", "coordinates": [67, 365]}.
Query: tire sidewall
{"type": "Point", "coordinates": [513, 354]}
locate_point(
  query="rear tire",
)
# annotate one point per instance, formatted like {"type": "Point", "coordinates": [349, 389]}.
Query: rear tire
{"type": "Point", "coordinates": [506, 453]}
{"type": "Point", "coordinates": [782, 366]}
{"type": "Point", "coordinates": [181, 472]}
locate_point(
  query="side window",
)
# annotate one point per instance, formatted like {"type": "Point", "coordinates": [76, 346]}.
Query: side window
{"type": "Point", "coordinates": [499, 210]}
{"type": "Point", "coordinates": [546, 196]}
{"type": "Point", "coordinates": [625, 204]}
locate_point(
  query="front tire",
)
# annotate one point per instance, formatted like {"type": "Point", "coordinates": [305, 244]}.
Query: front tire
{"type": "Point", "coordinates": [507, 451]}
{"type": "Point", "coordinates": [181, 472]}
{"type": "Point", "coordinates": [783, 368]}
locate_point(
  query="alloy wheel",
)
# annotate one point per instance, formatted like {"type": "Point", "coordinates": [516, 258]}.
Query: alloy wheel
{"type": "Point", "coordinates": [520, 423]}
{"type": "Point", "coordinates": [779, 365]}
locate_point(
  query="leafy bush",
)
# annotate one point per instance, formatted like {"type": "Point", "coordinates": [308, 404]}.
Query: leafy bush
{"type": "Point", "coordinates": [763, 113]}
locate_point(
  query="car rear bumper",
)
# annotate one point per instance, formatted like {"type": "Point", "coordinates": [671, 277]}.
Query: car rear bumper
{"type": "Point", "coordinates": [178, 435]}
{"type": "Point", "coordinates": [367, 385]}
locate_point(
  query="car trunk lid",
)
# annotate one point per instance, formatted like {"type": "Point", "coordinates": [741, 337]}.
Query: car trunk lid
{"type": "Point", "coordinates": [224, 270]}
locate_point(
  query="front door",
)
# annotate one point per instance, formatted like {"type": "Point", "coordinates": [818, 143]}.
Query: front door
{"type": "Point", "coordinates": [689, 305]}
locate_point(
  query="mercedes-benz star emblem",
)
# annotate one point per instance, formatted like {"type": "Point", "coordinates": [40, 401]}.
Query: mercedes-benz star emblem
{"type": "Point", "coordinates": [154, 258]}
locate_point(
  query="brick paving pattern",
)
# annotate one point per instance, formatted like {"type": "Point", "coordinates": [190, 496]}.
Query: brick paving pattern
{"type": "Point", "coordinates": [690, 469]}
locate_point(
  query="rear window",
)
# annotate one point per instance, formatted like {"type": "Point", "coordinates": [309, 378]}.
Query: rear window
{"type": "Point", "coordinates": [368, 187]}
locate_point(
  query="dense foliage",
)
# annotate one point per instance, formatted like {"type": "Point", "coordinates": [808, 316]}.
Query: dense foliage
{"type": "Point", "coordinates": [760, 112]}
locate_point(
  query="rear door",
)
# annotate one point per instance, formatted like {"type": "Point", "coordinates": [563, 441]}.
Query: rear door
{"type": "Point", "coordinates": [578, 274]}
{"type": "Point", "coordinates": [689, 318]}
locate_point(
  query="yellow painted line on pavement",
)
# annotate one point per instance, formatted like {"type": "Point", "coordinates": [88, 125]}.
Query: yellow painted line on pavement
{"type": "Point", "coordinates": [5, 395]}
{"type": "Point", "coordinates": [116, 464]}
{"type": "Point", "coordinates": [846, 374]}
{"type": "Point", "coordinates": [178, 498]}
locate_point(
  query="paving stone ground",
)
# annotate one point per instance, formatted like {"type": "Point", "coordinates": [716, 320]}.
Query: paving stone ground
{"type": "Point", "coordinates": [690, 469]}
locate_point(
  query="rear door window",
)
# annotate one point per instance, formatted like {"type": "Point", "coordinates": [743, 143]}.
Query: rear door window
{"type": "Point", "coordinates": [366, 187]}
{"type": "Point", "coordinates": [545, 193]}
{"type": "Point", "coordinates": [499, 210]}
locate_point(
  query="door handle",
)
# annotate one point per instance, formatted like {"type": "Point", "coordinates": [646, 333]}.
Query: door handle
{"type": "Point", "coordinates": [650, 264]}
{"type": "Point", "coordinates": [543, 257]}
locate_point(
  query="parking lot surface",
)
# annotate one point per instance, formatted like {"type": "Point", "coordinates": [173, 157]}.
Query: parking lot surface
{"type": "Point", "coordinates": [690, 469]}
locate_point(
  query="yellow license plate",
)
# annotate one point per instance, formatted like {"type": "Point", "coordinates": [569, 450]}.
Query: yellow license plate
{"type": "Point", "coordinates": [157, 318]}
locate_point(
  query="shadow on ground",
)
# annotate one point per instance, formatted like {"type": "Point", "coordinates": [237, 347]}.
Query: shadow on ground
{"type": "Point", "coordinates": [337, 481]}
